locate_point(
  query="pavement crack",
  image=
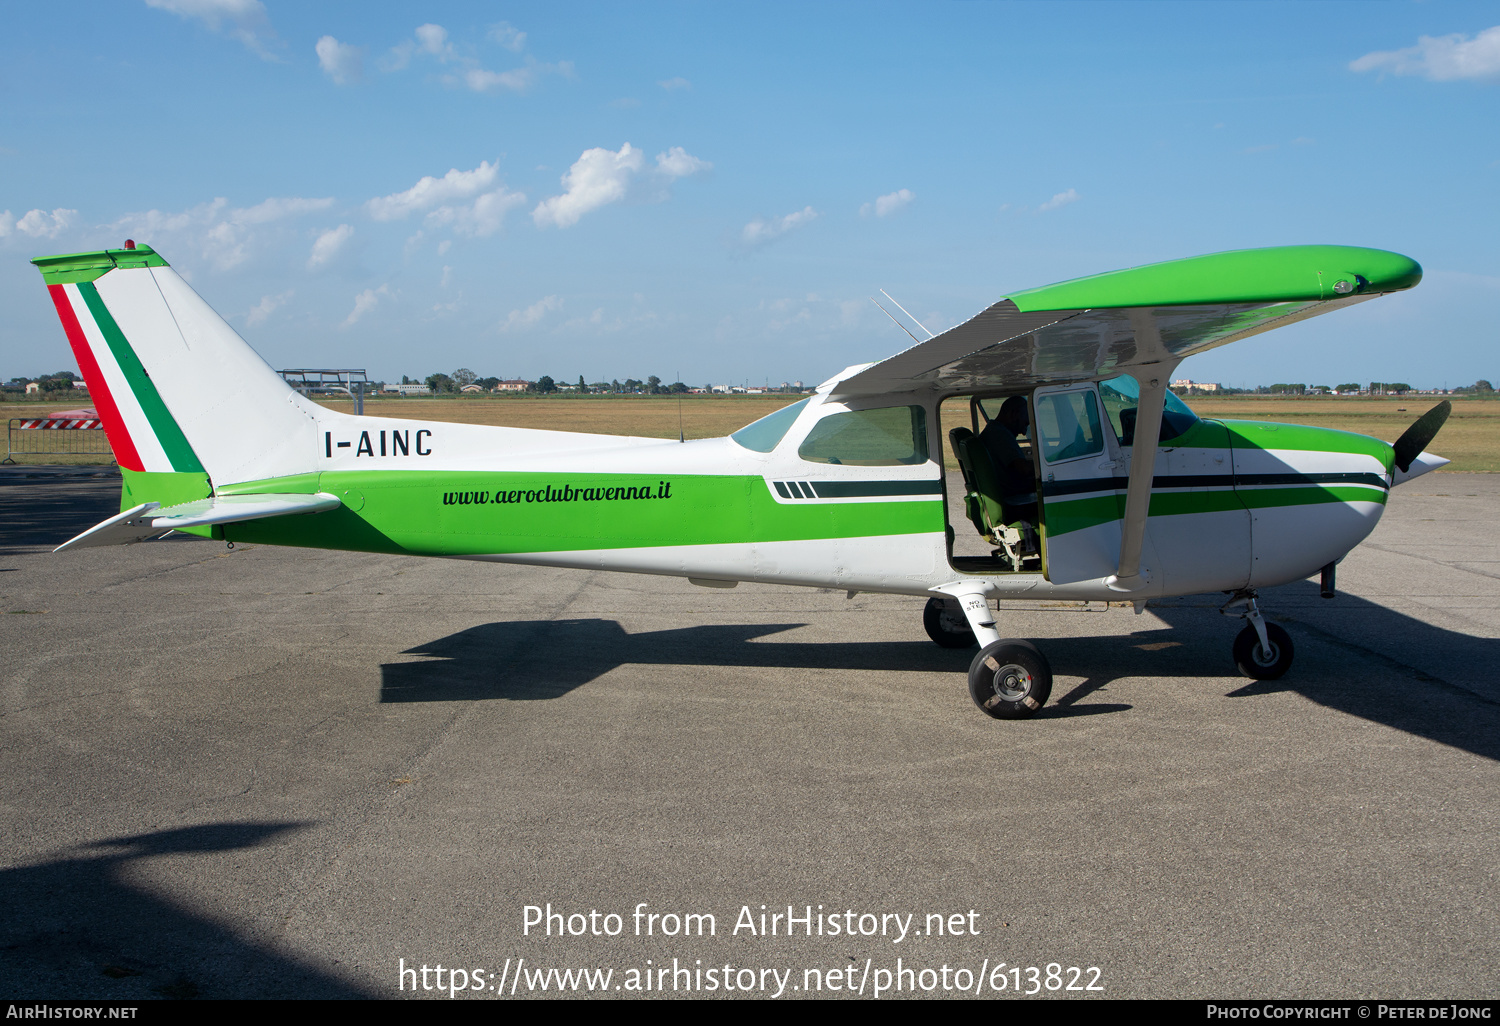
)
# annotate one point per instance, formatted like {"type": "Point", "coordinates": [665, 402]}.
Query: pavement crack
{"type": "Point", "coordinates": [1429, 559]}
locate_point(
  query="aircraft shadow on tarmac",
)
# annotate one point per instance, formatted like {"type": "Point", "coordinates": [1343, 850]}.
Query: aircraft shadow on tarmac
{"type": "Point", "coordinates": [532, 660]}
{"type": "Point", "coordinates": [74, 929]}
{"type": "Point", "coordinates": [37, 516]}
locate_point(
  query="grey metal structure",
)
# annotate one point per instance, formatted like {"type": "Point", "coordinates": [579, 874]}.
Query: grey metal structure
{"type": "Point", "coordinates": [309, 380]}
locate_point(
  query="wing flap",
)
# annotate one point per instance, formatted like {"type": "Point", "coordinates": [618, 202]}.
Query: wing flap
{"type": "Point", "coordinates": [152, 520]}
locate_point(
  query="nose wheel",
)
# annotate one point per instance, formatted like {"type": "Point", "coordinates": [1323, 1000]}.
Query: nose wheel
{"type": "Point", "coordinates": [1262, 651]}
{"type": "Point", "coordinates": [1263, 662]}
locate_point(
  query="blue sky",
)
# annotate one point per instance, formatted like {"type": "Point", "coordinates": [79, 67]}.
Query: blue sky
{"type": "Point", "coordinates": [415, 188]}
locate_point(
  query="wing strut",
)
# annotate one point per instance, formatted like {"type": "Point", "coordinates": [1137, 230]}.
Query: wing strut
{"type": "Point", "coordinates": [1153, 379]}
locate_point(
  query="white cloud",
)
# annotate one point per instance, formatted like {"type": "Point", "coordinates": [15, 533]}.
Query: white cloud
{"type": "Point", "coordinates": [517, 80]}
{"type": "Point", "coordinates": [363, 304]}
{"type": "Point", "coordinates": [433, 39]}
{"type": "Point", "coordinates": [399, 57]}
{"type": "Point", "coordinates": [38, 223]}
{"type": "Point", "coordinates": [761, 231]}
{"type": "Point", "coordinates": [597, 178]}
{"type": "Point", "coordinates": [244, 20]}
{"type": "Point", "coordinates": [340, 61]}
{"type": "Point", "coordinates": [520, 320]}
{"type": "Point", "coordinates": [1061, 199]}
{"type": "Point", "coordinates": [278, 207]}
{"type": "Point", "coordinates": [221, 234]}
{"type": "Point", "coordinates": [266, 307]}
{"type": "Point", "coordinates": [508, 36]}
{"type": "Point", "coordinates": [430, 192]}
{"type": "Point", "coordinates": [600, 177]}
{"type": "Point", "coordinates": [485, 216]}
{"type": "Point", "coordinates": [888, 204]}
{"type": "Point", "coordinates": [675, 83]}
{"type": "Point", "coordinates": [1440, 58]}
{"type": "Point", "coordinates": [678, 163]}
{"type": "Point", "coordinates": [328, 245]}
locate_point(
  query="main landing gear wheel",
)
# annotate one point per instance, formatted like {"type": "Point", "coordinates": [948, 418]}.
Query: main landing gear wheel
{"type": "Point", "coordinates": [1260, 665]}
{"type": "Point", "coordinates": [947, 625]}
{"type": "Point", "coordinates": [1010, 680]}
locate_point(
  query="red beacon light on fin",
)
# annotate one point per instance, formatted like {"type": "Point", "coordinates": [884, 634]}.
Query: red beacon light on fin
{"type": "Point", "coordinates": [130, 244]}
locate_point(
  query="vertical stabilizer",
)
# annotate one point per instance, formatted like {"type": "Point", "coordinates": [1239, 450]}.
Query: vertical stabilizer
{"type": "Point", "coordinates": [177, 388]}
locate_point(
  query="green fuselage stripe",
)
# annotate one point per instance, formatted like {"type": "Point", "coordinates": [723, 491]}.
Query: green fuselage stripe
{"type": "Point", "coordinates": [1066, 515]}
{"type": "Point", "coordinates": [476, 513]}
{"type": "Point", "coordinates": [172, 440]}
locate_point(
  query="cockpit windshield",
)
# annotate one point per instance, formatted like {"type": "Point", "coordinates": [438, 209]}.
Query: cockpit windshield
{"type": "Point", "coordinates": [1122, 395]}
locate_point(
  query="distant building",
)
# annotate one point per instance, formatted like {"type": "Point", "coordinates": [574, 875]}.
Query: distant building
{"type": "Point", "coordinates": [514, 385]}
{"type": "Point", "coordinates": [412, 389]}
{"type": "Point", "coordinates": [1196, 386]}
{"type": "Point", "coordinates": [32, 388]}
{"type": "Point", "coordinates": [472, 388]}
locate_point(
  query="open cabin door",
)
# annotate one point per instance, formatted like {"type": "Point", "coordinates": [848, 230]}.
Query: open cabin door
{"type": "Point", "coordinates": [1081, 483]}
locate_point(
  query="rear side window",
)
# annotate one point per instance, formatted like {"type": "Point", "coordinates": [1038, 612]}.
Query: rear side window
{"type": "Point", "coordinates": [894, 436]}
{"type": "Point", "coordinates": [763, 435]}
{"type": "Point", "coordinates": [1067, 423]}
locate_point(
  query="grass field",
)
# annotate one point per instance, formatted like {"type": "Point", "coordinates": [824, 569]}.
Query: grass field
{"type": "Point", "coordinates": [1471, 438]}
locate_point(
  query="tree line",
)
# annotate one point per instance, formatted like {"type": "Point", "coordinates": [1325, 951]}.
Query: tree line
{"type": "Point", "coordinates": [463, 377]}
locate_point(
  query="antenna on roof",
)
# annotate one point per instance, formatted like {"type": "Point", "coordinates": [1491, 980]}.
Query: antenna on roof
{"type": "Point", "coordinates": [893, 318]}
{"type": "Point", "coordinates": [904, 310]}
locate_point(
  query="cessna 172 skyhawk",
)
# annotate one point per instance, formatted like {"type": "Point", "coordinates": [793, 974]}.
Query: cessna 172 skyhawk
{"type": "Point", "coordinates": [1134, 496]}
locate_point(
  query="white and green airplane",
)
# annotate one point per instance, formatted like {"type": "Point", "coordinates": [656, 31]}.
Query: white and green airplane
{"type": "Point", "coordinates": [1133, 496]}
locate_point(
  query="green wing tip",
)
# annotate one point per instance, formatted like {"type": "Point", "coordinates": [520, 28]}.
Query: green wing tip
{"type": "Point", "coordinates": [1276, 274]}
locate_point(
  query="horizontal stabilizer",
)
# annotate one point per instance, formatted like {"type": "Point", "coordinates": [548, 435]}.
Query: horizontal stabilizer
{"type": "Point", "coordinates": [151, 519]}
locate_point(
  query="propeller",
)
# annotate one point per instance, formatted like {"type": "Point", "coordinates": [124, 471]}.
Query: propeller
{"type": "Point", "coordinates": [1416, 438]}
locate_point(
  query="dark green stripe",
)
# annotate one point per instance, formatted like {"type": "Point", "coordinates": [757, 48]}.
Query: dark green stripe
{"type": "Point", "coordinates": [172, 440]}
{"type": "Point", "coordinates": [857, 489]}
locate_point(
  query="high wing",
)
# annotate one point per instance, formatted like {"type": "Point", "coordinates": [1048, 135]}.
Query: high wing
{"type": "Point", "coordinates": [151, 519]}
{"type": "Point", "coordinates": [1157, 314]}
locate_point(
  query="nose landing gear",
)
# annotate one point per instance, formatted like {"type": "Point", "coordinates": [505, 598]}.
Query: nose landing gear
{"type": "Point", "coordinates": [1262, 651]}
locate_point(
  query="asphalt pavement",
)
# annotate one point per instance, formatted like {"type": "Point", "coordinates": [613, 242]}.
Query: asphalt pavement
{"type": "Point", "coordinates": [276, 772]}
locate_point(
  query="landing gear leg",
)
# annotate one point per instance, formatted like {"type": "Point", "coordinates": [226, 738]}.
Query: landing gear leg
{"type": "Point", "coordinates": [1262, 651]}
{"type": "Point", "coordinates": [1008, 679]}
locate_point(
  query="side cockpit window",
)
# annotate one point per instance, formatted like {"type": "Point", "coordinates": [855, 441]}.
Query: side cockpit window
{"type": "Point", "coordinates": [1067, 424]}
{"type": "Point", "coordinates": [889, 437]}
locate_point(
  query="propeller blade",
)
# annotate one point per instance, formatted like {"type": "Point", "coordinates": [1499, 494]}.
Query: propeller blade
{"type": "Point", "coordinates": [1417, 437]}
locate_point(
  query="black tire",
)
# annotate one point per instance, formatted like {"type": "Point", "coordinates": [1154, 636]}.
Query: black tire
{"type": "Point", "coordinates": [948, 627]}
{"type": "Point", "coordinates": [1253, 662]}
{"type": "Point", "coordinates": [1010, 680]}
